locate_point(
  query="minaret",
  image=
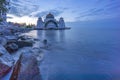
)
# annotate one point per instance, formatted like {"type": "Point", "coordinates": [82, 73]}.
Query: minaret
{"type": "Point", "coordinates": [61, 23]}
{"type": "Point", "coordinates": [40, 23]}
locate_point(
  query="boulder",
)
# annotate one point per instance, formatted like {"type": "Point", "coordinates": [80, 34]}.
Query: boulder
{"type": "Point", "coordinates": [2, 50]}
{"type": "Point", "coordinates": [26, 68]}
{"type": "Point", "coordinates": [5, 57]}
{"type": "Point", "coordinates": [6, 61]}
{"type": "Point", "coordinates": [4, 69]}
{"type": "Point", "coordinates": [11, 38]}
{"type": "Point", "coordinates": [11, 47]}
{"type": "Point", "coordinates": [22, 44]}
{"type": "Point", "coordinates": [3, 41]}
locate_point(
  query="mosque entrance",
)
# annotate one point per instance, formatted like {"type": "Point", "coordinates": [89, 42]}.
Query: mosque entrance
{"type": "Point", "coordinates": [51, 24]}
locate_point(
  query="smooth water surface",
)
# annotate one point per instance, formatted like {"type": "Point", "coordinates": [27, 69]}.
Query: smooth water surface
{"type": "Point", "coordinates": [82, 53]}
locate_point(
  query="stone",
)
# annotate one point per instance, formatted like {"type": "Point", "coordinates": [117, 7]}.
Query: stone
{"type": "Point", "coordinates": [5, 57]}
{"type": "Point", "coordinates": [11, 38]}
{"type": "Point", "coordinates": [22, 44]}
{"type": "Point", "coordinates": [3, 41]}
{"type": "Point", "coordinates": [4, 69]}
{"type": "Point", "coordinates": [12, 47]}
{"type": "Point", "coordinates": [6, 61]}
{"type": "Point", "coordinates": [26, 68]}
{"type": "Point", "coordinates": [2, 50]}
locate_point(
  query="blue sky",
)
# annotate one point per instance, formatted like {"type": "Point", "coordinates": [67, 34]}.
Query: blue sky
{"type": "Point", "coordinates": [72, 10]}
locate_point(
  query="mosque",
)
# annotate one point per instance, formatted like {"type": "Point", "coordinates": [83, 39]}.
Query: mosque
{"type": "Point", "coordinates": [50, 22]}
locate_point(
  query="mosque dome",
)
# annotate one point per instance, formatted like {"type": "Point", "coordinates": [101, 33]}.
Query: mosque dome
{"type": "Point", "coordinates": [50, 15]}
{"type": "Point", "coordinates": [40, 18]}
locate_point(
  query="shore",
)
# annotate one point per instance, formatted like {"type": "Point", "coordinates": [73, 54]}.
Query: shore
{"type": "Point", "coordinates": [52, 28]}
{"type": "Point", "coordinates": [18, 57]}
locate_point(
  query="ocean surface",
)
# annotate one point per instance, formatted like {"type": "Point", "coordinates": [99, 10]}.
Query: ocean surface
{"type": "Point", "coordinates": [81, 53]}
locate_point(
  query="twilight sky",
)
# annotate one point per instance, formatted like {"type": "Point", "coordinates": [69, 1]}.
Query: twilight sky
{"type": "Point", "coordinates": [72, 10]}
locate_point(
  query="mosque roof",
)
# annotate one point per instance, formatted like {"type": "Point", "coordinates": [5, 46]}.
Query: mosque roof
{"type": "Point", "coordinates": [50, 15]}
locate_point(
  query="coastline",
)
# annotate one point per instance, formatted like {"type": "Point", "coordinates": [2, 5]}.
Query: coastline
{"type": "Point", "coordinates": [66, 28]}
{"type": "Point", "coordinates": [14, 50]}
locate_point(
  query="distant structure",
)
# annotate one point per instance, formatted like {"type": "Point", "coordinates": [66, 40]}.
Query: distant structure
{"type": "Point", "coordinates": [50, 23]}
{"type": "Point", "coordinates": [3, 13]}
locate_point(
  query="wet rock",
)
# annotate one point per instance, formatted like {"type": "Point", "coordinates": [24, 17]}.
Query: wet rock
{"type": "Point", "coordinates": [38, 53]}
{"type": "Point", "coordinates": [5, 57]}
{"type": "Point", "coordinates": [5, 32]}
{"type": "Point", "coordinates": [12, 47]}
{"type": "Point", "coordinates": [4, 69]}
{"type": "Point", "coordinates": [3, 41]}
{"type": "Point", "coordinates": [6, 61]}
{"type": "Point", "coordinates": [22, 44]}
{"type": "Point", "coordinates": [35, 39]}
{"type": "Point", "coordinates": [3, 51]}
{"type": "Point", "coordinates": [26, 68]}
{"type": "Point", "coordinates": [11, 38]}
{"type": "Point", "coordinates": [24, 37]}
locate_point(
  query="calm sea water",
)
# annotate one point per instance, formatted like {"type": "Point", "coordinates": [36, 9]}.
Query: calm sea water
{"type": "Point", "coordinates": [81, 53]}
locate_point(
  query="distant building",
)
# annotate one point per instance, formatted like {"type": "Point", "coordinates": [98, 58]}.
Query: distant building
{"type": "Point", "coordinates": [50, 22]}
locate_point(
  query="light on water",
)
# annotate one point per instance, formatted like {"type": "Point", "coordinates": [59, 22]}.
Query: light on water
{"type": "Point", "coordinates": [81, 54]}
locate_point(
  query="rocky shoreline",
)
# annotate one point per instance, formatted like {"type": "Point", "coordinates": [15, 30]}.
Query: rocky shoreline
{"type": "Point", "coordinates": [18, 54]}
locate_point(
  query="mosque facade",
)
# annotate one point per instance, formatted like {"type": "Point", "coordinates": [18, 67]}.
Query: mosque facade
{"type": "Point", "coordinates": [50, 22]}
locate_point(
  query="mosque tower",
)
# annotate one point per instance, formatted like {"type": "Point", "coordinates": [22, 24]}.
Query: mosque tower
{"type": "Point", "coordinates": [40, 23]}
{"type": "Point", "coordinates": [61, 23]}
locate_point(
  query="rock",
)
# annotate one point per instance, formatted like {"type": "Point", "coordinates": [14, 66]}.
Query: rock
{"type": "Point", "coordinates": [3, 41]}
{"type": "Point", "coordinates": [5, 58]}
{"type": "Point", "coordinates": [35, 39]}
{"type": "Point", "coordinates": [5, 32]}
{"type": "Point", "coordinates": [11, 38]}
{"type": "Point", "coordinates": [2, 50]}
{"type": "Point", "coordinates": [22, 44]}
{"type": "Point", "coordinates": [12, 47]}
{"type": "Point", "coordinates": [6, 61]}
{"type": "Point", "coordinates": [4, 69]}
{"type": "Point", "coordinates": [26, 68]}
{"type": "Point", "coordinates": [38, 54]}
{"type": "Point", "coordinates": [21, 38]}
{"type": "Point", "coordinates": [24, 37]}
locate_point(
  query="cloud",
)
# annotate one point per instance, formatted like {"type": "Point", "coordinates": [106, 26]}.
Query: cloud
{"type": "Point", "coordinates": [71, 10]}
{"type": "Point", "coordinates": [22, 8]}
{"type": "Point", "coordinates": [109, 9]}
{"type": "Point", "coordinates": [44, 13]}
{"type": "Point", "coordinates": [9, 17]}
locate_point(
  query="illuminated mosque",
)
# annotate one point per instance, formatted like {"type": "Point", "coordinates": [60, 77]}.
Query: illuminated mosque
{"type": "Point", "coordinates": [50, 22]}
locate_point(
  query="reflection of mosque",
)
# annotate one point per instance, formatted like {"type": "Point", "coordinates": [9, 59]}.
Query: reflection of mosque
{"type": "Point", "coordinates": [50, 23]}
{"type": "Point", "coordinates": [52, 36]}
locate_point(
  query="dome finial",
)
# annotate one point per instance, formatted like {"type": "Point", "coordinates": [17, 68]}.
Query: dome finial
{"type": "Point", "coordinates": [50, 15]}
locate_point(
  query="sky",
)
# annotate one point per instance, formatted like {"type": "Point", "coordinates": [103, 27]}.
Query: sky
{"type": "Point", "coordinates": [71, 10]}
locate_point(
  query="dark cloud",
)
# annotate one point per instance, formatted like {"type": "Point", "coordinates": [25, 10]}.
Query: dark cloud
{"type": "Point", "coordinates": [43, 13]}
{"type": "Point", "coordinates": [110, 8]}
{"type": "Point", "coordinates": [21, 8]}
{"type": "Point", "coordinates": [92, 12]}
{"type": "Point", "coordinates": [9, 17]}
{"type": "Point", "coordinates": [39, 8]}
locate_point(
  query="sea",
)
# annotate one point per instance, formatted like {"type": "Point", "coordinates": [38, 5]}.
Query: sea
{"type": "Point", "coordinates": [85, 52]}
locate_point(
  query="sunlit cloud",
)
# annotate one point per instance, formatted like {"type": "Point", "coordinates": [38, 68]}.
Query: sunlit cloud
{"type": "Point", "coordinates": [23, 19]}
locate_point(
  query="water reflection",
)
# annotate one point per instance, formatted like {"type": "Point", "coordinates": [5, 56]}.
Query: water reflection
{"type": "Point", "coordinates": [62, 36]}
{"type": "Point", "coordinates": [51, 35]}
{"type": "Point", "coordinates": [81, 54]}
